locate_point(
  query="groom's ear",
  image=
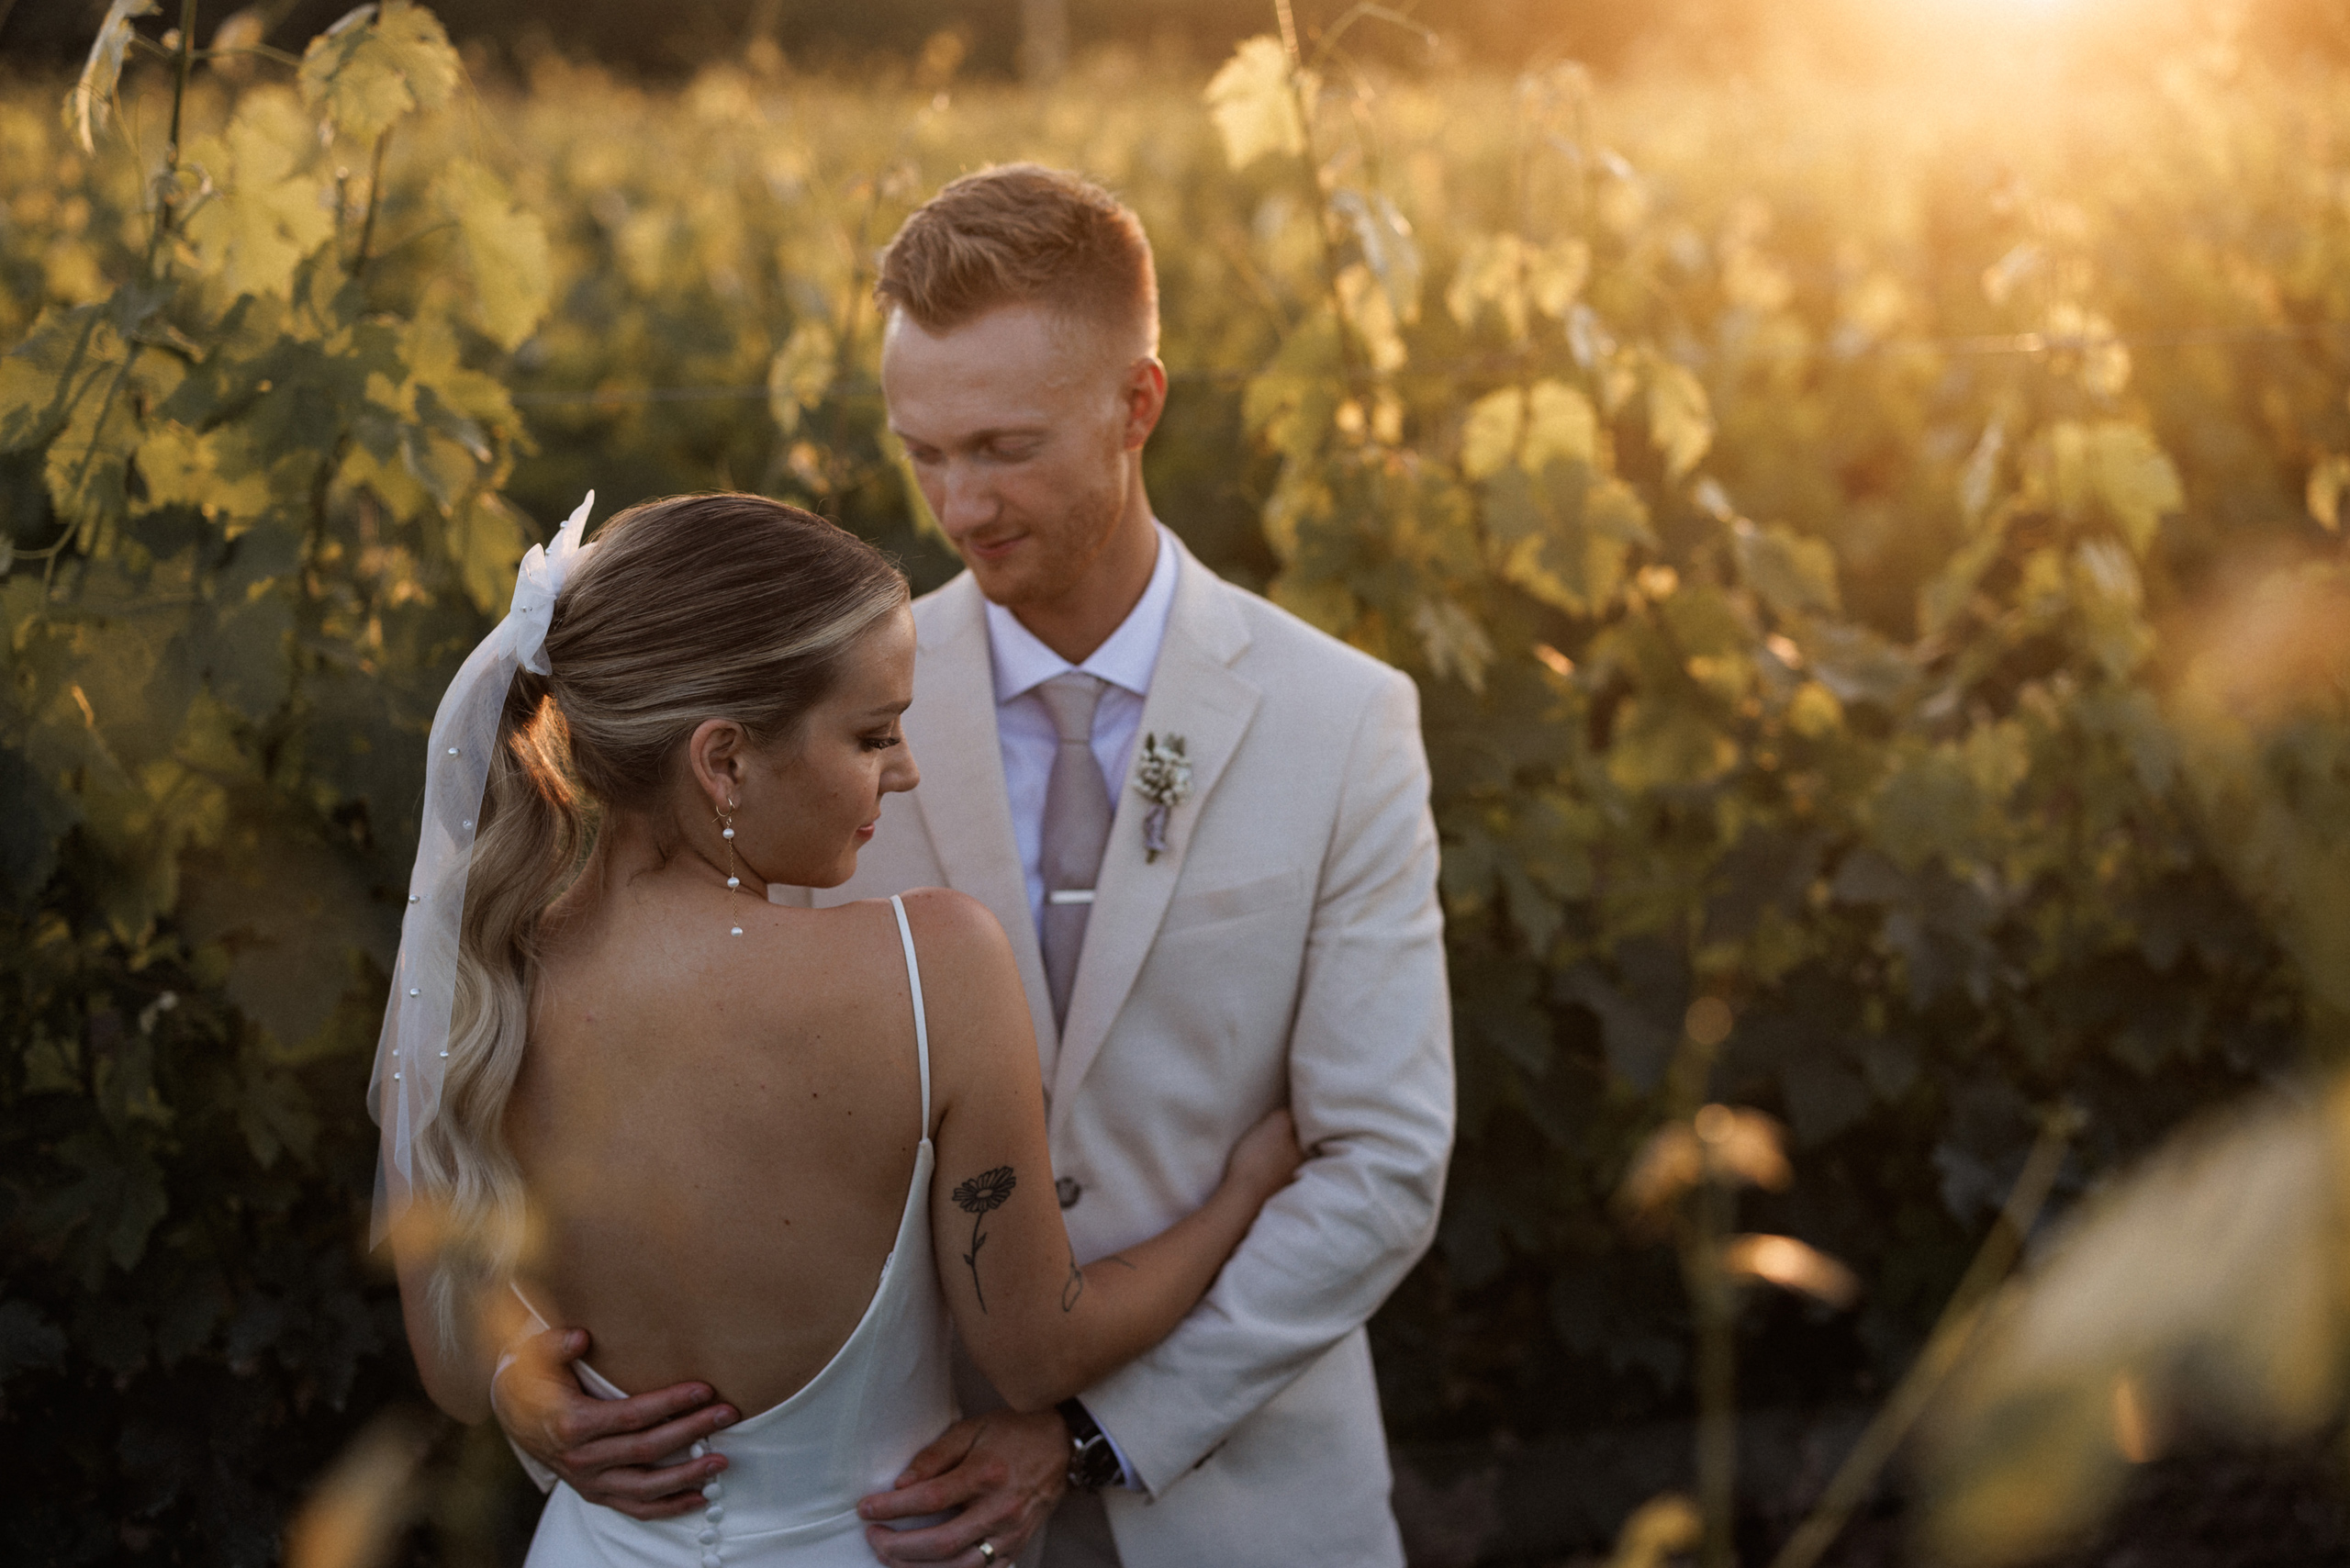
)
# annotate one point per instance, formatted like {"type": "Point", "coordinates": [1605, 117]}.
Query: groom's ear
{"type": "Point", "coordinates": [1143, 398]}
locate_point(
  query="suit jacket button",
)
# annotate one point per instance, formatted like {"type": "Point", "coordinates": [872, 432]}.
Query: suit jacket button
{"type": "Point", "coordinates": [1068, 1189]}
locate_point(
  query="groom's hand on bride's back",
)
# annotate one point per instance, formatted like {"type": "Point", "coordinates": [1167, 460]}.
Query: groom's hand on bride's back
{"type": "Point", "coordinates": [998, 1474]}
{"type": "Point", "coordinates": [606, 1449]}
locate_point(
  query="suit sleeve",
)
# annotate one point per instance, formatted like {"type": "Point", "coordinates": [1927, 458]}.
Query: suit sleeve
{"type": "Point", "coordinates": [1371, 1082]}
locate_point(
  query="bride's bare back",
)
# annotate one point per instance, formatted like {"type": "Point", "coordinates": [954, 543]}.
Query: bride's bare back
{"type": "Point", "coordinates": [717, 1131]}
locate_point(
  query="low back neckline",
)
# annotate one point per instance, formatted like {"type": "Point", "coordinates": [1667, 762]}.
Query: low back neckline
{"type": "Point", "coordinates": [909, 1217]}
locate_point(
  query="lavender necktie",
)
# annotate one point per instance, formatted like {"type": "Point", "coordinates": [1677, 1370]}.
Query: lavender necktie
{"type": "Point", "coordinates": [1077, 827]}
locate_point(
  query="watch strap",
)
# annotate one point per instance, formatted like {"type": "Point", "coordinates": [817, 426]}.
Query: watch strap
{"type": "Point", "coordinates": [1092, 1464]}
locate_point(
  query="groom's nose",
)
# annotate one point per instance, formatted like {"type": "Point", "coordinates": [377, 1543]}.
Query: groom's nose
{"type": "Point", "coordinates": [967, 498]}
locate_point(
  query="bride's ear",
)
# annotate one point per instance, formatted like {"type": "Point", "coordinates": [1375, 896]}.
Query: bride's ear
{"type": "Point", "coordinates": [716, 753]}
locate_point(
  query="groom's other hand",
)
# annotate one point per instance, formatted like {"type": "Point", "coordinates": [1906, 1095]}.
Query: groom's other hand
{"type": "Point", "coordinates": [605, 1449]}
{"type": "Point", "coordinates": [1001, 1473]}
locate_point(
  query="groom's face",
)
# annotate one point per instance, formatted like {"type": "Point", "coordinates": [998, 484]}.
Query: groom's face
{"type": "Point", "coordinates": [1022, 429]}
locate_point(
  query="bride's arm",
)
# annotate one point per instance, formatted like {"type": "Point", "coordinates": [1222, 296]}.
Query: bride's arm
{"type": "Point", "coordinates": [456, 1378]}
{"type": "Point", "coordinates": [1037, 1323]}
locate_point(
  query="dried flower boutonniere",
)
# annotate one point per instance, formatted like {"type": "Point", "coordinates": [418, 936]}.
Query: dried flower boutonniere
{"type": "Point", "coordinates": [1162, 776]}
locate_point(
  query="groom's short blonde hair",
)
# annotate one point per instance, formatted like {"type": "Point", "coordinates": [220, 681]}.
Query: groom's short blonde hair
{"type": "Point", "coordinates": [1021, 234]}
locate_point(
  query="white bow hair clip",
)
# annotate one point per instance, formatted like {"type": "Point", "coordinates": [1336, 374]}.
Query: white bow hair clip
{"type": "Point", "coordinates": [543, 572]}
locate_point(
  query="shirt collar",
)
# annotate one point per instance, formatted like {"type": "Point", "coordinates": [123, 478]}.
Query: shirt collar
{"type": "Point", "coordinates": [1125, 658]}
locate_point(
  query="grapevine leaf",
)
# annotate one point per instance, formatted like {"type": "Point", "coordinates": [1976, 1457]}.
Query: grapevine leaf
{"type": "Point", "coordinates": [89, 461]}
{"type": "Point", "coordinates": [1565, 537]}
{"type": "Point", "coordinates": [1328, 605]}
{"type": "Point", "coordinates": [486, 540]}
{"type": "Point", "coordinates": [1795, 576]}
{"type": "Point", "coordinates": [1372, 317]}
{"type": "Point", "coordinates": [39, 817]}
{"type": "Point", "coordinates": [1455, 643]}
{"type": "Point", "coordinates": [801, 373]}
{"type": "Point", "coordinates": [1639, 1042]}
{"type": "Point", "coordinates": [1292, 403]}
{"type": "Point", "coordinates": [268, 211]}
{"type": "Point", "coordinates": [1660, 745]}
{"type": "Point", "coordinates": [1510, 275]}
{"type": "Point", "coordinates": [1384, 237]}
{"type": "Point", "coordinates": [1680, 422]}
{"type": "Point", "coordinates": [2115, 467]}
{"type": "Point", "coordinates": [29, 1341]}
{"type": "Point", "coordinates": [443, 467]}
{"type": "Point", "coordinates": [286, 912]}
{"type": "Point", "coordinates": [1555, 275]}
{"type": "Point", "coordinates": [1489, 435]}
{"type": "Point", "coordinates": [1550, 422]}
{"type": "Point", "coordinates": [1492, 273]}
{"type": "Point", "coordinates": [506, 251]}
{"type": "Point", "coordinates": [220, 475]}
{"type": "Point", "coordinates": [2106, 587]}
{"type": "Point", "coordinates": [239, 652]}
{"type": "Point", "coordinates": [1560, 426]}
{"type": "Point", "coordinates": [63, 356]}
{"type": "Point", "coordinates": [1251, 104]}
{"type": "Point", "coordinates": [274, 1115]}
{"type": "Point", "coordinates": [1857, 666]}
{"type": "Point", "coordinates": [115, 1202]}
{"type": "Point", "coordinates": [373, 66]}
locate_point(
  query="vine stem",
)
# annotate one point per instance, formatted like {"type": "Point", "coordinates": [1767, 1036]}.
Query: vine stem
{"type": "Point", "coordinates": [1312, 157]}
{"type": "Point", "coordinates": [187, 65]}
{"type": "Point", "coordinates": [1714, 1295]}
{"type": "Point", "coordinates": [167, 208]}
{"type": "Point", "coordinates": [1705, 1221]}
{"type": "Point", "coordinates": [374, 201]}
{"type": "Point", "coordinates": [1945, 1346]}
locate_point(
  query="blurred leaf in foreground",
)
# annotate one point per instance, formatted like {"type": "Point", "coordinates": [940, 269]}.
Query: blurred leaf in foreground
{"type": "Point", "coordinates": [2210, 1284]}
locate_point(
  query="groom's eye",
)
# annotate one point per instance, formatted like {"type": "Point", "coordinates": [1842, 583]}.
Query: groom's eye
{"type": "Point", "coordinates": [881, 742]}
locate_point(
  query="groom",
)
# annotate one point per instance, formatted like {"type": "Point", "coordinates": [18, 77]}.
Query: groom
{"type": "Point", "coordinates": [1260, 926]}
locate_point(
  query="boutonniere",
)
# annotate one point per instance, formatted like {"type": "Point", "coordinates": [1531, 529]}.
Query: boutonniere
{"type": "Point", "coordinates": [1162, 776]}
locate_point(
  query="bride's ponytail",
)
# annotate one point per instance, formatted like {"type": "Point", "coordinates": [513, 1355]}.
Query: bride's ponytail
{"type": "Point", "coordinates": [695, 608]}
{"type": "Point", "coordinates": [535, 830]}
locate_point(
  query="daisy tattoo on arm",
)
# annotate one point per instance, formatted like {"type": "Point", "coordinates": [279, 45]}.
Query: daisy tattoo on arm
{"type": "Point", "coordinates": [979, 1197]}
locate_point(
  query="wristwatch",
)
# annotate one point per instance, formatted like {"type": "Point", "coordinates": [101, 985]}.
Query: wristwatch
{"type": "Point", "coordinates": [1093, 1463]}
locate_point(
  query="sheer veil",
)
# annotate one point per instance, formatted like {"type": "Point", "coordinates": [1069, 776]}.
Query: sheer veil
{"type": "Point", "coordinates": [411, 1055]}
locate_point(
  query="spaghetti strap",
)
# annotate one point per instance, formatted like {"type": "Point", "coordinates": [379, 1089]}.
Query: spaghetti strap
{"type": "Point", "coordinates": [921, 1024]}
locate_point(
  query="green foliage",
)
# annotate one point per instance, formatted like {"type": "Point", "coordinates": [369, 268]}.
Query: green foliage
{"type": "Point", "coordinates": [1806, 516]}
{"type": "Point", "coordinates": [263, 522]}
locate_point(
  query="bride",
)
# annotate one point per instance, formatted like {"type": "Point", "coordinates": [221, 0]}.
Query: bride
{"type": "Point", "coordinates": [775, 1149]}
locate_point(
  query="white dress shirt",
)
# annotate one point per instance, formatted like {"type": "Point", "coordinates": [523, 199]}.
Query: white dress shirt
{"type": "Point", "coordinates": [1024, 728]}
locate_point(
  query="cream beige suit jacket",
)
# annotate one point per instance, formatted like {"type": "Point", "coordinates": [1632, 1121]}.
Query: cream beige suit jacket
{"type": "Point", "coordinates": [1286, 948]}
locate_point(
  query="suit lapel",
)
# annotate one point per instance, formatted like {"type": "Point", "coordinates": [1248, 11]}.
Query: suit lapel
{"type": "Point", "coordinates": [1195, 694]}
{"type": "Point", "coordinates": [951, 728]}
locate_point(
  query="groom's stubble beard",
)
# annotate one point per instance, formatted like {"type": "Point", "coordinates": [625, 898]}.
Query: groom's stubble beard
{"type": "Point", "coordinates": [1060, 562]}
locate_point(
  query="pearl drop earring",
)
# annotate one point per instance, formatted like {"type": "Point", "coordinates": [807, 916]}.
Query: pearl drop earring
{"type": "Point", "coordinates": [726, 833]}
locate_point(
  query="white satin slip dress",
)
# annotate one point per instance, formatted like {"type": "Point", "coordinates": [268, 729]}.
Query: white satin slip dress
{"type": "Point", "coordinates": [795, 1472]}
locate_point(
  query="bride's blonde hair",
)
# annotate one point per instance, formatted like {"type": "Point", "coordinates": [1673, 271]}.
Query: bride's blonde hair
{"type": "Point", "coordinates": [692, 608]}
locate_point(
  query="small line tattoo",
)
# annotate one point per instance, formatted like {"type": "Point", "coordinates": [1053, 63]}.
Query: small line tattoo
{"type": "Point", "coordinates": [1121, 1262]}
{"type": "Point", "coordinates": [979, 1197]}
{"type": "Point", "coordinates": [1075, 1287]}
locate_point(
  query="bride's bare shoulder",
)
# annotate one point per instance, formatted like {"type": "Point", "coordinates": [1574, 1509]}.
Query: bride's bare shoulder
{"type": "Point", "coordinates": [952, 928]}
